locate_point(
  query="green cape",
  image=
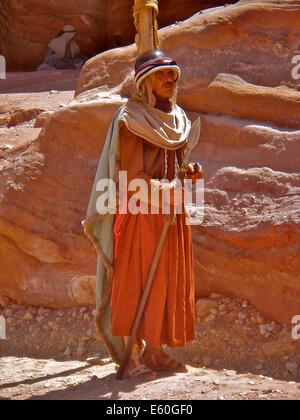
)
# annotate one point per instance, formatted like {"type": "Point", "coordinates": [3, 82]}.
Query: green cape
{"type": "Point", "coordinates": [100, 231]}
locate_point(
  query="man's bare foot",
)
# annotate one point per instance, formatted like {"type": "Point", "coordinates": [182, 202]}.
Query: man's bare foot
{"type": "Point", "coordinates": [156, 359]}
{"type": "Point", "coordinates": [138, 370]}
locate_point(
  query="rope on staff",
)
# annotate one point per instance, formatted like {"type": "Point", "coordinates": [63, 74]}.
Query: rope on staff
{"type": "Point", "coordinates": [145, 14]}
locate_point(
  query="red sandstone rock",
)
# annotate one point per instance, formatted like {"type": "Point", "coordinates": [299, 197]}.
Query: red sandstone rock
{"type": "Point", "coordinates": [44, 192]}
{"type": "Point", "coordinates": [249, 149]}
{"type": "Point", "coordinates": [27, 27]}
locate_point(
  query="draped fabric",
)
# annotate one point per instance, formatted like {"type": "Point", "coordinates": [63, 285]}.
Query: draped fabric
{"type": "Point", "coordinates": [166, 130]}
{"type": "Point", "coordinates": [101, 229]}
{"type": "Point", "coordinates": [169, 314]}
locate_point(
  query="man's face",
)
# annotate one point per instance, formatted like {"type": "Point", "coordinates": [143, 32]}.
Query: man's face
{"type": "Point", "coordinates": [164, 83]}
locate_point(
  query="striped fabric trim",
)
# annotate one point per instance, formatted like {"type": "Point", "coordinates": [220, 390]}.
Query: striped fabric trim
{"type": "Point", "coordinates": [145, 72]}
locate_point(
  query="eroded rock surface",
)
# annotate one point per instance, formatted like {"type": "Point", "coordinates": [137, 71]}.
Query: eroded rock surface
{"type": "Point", "coordinates": [27, 27]}
{"type": "Point", "coordinates": [237, 64]}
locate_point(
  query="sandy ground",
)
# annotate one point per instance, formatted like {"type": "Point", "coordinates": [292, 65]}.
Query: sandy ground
{"type": "Point", "coordinates": [24, 379]}
{"type": "Point", "coordinates": [43, 81]}
{"type": "Point", "coordinates": [24, 96]}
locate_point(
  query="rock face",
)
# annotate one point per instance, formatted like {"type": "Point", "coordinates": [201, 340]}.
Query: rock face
{"type": "Point", "coordinates": [237, 75]}
{"type": "Point", "coordinates": [120, 28]}
{"type": "Point", "coordinates": [244, 41]}
{"type": "Point", "coordinates": [26, 28]}
{"type": "Point", "coordinates": [44, 193]}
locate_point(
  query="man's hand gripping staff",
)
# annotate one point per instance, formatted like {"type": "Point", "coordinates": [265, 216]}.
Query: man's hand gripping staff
{"type": "Point", "coordinates": [188, 169]}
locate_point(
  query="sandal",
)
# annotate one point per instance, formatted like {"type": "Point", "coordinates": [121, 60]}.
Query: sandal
{"type": "Point", "coordinates": [138, 370]}
{"type": "Point", "coordinates": [156, 359]}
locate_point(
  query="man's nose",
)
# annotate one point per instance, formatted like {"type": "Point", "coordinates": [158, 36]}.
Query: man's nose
{"type": "Point", "coordinates": [169, 78]}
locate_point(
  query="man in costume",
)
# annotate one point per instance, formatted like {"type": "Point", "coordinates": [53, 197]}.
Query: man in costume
{"type": "Point", "coordinates": [63, 52]}
{"type": "Point", "coordinates": [147, 139]}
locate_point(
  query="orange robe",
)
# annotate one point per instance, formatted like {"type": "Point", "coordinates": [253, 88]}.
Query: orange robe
{"type": "Point", "coordinates": [169, 317]}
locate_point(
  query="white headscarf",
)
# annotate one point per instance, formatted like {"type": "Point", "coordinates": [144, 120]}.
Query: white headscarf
{"type": "Point", "coordinates": [169, 130]}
